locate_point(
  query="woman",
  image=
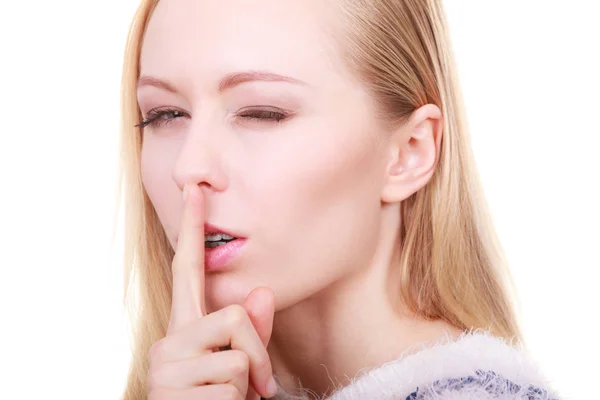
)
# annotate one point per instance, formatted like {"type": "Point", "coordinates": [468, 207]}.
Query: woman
{"type": "Point", "coordinates": [333, 241]}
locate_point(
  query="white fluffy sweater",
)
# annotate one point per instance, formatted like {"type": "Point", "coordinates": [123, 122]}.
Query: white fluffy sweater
{"type": "Point", "coordinates": [475, 366]}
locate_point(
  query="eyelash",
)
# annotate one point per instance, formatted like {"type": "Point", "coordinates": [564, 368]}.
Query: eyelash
{"type": "Point", "coordinates": [155, 118]}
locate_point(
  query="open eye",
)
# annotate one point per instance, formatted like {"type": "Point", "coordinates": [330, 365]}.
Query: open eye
{"type": "Point", "coordinates": [158, 117]}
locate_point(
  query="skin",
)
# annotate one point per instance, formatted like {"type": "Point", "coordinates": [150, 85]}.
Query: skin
{"type": "Point", "coordinates": [317, 193]}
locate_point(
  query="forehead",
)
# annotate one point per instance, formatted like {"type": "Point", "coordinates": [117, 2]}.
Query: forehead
{"type": "Point", "coordinates": [212, 37]}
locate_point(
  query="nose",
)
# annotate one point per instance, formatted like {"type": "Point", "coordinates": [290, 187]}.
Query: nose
{"type": "Point", "coordinates": [200, 161]}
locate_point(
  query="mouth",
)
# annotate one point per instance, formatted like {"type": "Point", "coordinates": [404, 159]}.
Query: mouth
{"type": "Point", "coordinates": [215, 236]}
{"type": "Point", "coordinates": [221, 247]}
{"type": "Point", "coordinates": [213, 240]}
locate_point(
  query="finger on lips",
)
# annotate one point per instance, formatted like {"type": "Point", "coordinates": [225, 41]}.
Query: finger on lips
{"type": "Point", "coordinates": [188, 301]}
{"type": "Point", "coordinates": [193, 334]}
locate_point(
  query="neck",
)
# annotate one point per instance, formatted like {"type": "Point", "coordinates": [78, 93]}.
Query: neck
{"type": "Point", "coordinates": [322, 342]}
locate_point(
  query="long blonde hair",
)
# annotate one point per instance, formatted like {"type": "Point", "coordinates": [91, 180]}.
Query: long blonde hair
{"type": "Point", "coordinates": [451, 263]}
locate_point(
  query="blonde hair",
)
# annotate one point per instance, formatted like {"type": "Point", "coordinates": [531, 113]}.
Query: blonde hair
{"type": "Point", "coordinates": [451, 264]}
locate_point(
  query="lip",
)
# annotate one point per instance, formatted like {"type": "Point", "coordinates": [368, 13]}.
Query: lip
{"type": "Point", "coordinates": [210, 228]}
{"type": "Point", "coordinates": [219, 257]}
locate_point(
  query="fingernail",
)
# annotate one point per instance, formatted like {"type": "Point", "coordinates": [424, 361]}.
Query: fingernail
{"type": "Point", "coordinates": [185, 192]}
{"type": "Point", "coordinates": [272, 387]}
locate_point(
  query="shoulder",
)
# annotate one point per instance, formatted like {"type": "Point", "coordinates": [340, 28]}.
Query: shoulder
{"type": "Point", "coordinates": [475, 366]}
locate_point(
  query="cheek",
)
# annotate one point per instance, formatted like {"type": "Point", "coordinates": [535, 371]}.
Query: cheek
{"type": "Point", "coordinates": [318, 190]}
{"type": "Point", "coordinates": [306, 160]}
{"type": "Point", "coordinates": [150, 165]}
{"type": "Point", "coordinates": [155, 168]}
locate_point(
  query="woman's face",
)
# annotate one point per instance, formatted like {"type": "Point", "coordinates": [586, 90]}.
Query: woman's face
{"type": "Point", "coordinates": [294, 162]}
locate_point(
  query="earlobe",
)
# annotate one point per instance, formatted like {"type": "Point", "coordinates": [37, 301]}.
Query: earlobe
{"type": "Point", "coordinates": [413, 154]}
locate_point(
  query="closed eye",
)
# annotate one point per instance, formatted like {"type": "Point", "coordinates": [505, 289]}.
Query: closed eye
{"type": "Point", "coordinates": [263, 115]}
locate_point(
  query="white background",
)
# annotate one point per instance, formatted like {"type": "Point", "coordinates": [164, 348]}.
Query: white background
{"type": "Point", "coordinates": [530, 76]}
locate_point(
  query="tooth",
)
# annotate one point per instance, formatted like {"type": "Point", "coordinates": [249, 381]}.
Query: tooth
{"type": "Point", "coordinates": [212, 238]}
{"type": "Point", "coordinates": [226, 237]}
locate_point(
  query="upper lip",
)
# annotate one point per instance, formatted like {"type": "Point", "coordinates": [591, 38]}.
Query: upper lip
{"type": "Point", "coordinates": [210, 228]}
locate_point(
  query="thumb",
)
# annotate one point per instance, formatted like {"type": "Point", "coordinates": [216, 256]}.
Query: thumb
{"type": "Point", "coordinates": [260, 306]}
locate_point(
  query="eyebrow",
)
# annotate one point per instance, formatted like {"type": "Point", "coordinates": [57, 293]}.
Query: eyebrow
{"type": "Point", "coordinates": [227, 82]}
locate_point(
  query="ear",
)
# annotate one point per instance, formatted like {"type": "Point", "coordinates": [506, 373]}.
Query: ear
{"type": "Point", "coordinates": [413, 154]}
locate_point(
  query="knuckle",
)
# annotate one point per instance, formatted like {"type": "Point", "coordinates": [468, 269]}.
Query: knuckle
{"type": "Point", "coordinates": [158, 394]}
{"type": "Point", "coordinates": [264, 364]}
{"type": "Point", "coordinates": [229, 392]}
{"type": "Point", "coordinates": [153, 395]}
{"type": "Point", "coordinates": [155, 375]}
{"type": "Point", "coordinates": [239, 362]}
{"type": "Point", "coordinates": [155, 352]}
{"type": "Point", "coordinates": [236, 315]}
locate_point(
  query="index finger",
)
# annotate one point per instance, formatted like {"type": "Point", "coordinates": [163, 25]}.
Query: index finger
{"type": "Point", "coordinates": [188, 263]}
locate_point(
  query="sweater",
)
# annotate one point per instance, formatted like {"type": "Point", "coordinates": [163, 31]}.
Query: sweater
{"type": "Point", "coordinates": [477, 365]}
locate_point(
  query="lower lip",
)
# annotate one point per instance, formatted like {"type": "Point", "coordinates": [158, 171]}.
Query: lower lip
{"type": "Point", "coordinates": [217, 258]}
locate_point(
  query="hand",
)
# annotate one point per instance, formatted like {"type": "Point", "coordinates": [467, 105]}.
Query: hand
{"type": "Point", "coordinates": [187, 362]}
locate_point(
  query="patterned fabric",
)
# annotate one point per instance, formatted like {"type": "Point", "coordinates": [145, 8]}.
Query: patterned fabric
{"type": "Point", "coordinates": [475, 366]}
{"type": "Point", "coordinates": [493, 383]}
